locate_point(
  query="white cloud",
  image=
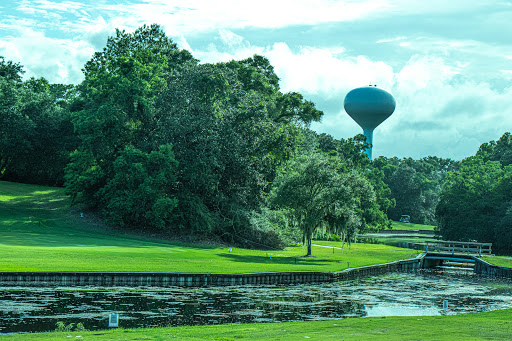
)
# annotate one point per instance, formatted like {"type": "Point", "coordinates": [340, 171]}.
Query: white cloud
{"type": "Point", "coordinates": [391, 40]}
{"type": "Point", "coordinates": [58, 60]}
{"type": "Point", "coordinates": [64, 6]}
{"type": "Point", "coordinates": [453, 90]}
{"type": "Point", "coordinates": [231, 39]}
{"type": "Point", "coordinates": [316, 70]}
{"type": "Point", "coordinates": [438, 111]}
{"type": "Point", "coordinates": [189, 16]}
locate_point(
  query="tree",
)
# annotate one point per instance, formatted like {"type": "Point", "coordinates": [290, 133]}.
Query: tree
{"type": "Point", "coordinates": [115, 109]}
{"type": "Point", "coordinates": [352, 153]}
{"type": "Point", "coordinates": [500, 150]}
{"type": "Point", "coordinates": [141, 92]}
{"type": "Point", "coordinates": [227, 145]}
{"type": "Point", "coordinates": [141, 191]}
{"type": "Point", "coordinates": [314, 192]}
{"type": "Point", "coordinates": [415, 185]}
{"type": "Point", "coordinates": [36, 134]}
{"type": "Point", "coordinates": [475, 203]}
{"type": "Point", "coordinates": [10, 71]}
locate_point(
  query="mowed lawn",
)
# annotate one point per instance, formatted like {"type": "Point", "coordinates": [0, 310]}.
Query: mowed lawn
{"type": "Point", "coordinates": [39, 231]}
{"type": "Point", "coordinates": [396, 225]}
{"type": "Point", "coordinates": [495, 325]}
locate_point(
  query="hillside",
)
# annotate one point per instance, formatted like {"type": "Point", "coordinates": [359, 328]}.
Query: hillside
{"type": "Point", "coordinates": [39, 231]}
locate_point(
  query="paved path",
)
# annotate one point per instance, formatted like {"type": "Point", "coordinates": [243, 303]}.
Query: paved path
{"type": "Point", "coordinates": [327, 246]}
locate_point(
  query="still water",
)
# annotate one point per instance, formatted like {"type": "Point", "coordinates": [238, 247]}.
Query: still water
{"type": "Point", "coordinates": [39, 309]}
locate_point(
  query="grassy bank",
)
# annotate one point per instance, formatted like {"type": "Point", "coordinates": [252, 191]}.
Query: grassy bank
{"type": "Point", "coordinates": [39, 232]}
{"type": "Point", "coordinates": [499, 260]}
{"type": "Point", "coordinates": [396, 225]}
{"type": "Point", "coordinates": [496, 325]}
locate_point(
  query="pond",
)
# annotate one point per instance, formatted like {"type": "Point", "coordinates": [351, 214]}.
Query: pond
{"type": "Point", "coordinates": [39, 309]}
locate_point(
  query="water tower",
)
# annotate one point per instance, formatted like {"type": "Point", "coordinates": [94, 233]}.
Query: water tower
{"type": "Point", "coordinates": [369, 106]}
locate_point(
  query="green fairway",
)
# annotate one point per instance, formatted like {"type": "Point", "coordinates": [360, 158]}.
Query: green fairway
{"type": "Point", "coordinates": [39, 232]}
{"type": "Point", "coordinates": [496, 325]}
{"type": "Point", "coordinates": [396, 225]}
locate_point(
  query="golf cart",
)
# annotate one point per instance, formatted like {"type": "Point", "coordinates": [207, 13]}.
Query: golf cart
{"type": "Point", "coordinates": [405, 219]}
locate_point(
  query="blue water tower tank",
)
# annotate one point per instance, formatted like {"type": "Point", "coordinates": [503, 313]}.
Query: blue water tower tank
{"type": "Point", "coordinates": [369, 106]}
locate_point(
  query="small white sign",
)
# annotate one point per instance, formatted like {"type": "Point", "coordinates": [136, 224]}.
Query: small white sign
{"type": "Point", "coordinates": [113, 320]}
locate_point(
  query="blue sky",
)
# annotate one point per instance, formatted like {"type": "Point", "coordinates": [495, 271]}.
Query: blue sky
{"type": "Point", "coordinates": [447, 63]}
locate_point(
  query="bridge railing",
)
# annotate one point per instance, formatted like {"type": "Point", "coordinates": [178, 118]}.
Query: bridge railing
{"type": "Point", "coordinates": [458, 247]}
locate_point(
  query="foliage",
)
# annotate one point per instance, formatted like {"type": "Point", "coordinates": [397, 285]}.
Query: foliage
{"type": "Point", "coordinates": [36, 134]}
{"type": "Point", "coordinates": [476, 203]}
{"type": "Point", "coordinates": [500, 150]}
{"type": "Point", "coordinates": [227, 146]}
{"type": "Point", "coordinates": [415, 185]}
{"type": "Point", "coordinates": [316, 192]}
{"type": "Point", "coordinates": [119, 168]}
{"type": "Point", "coordinates": [10, 71]}
{"type": "Point", "coordinates": [62, 327]}
{"type": "Point", "coordinates": [352, 153]}
{"type": "Point", "coordinates": [138, 194]}
{"type": "Point", "coordinates": [228, 124]}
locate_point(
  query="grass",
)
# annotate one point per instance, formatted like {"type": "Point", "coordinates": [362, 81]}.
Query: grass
{"type": "Point", "coordinates": [393, 241]}
{"type": "Point", "coordinates": [396, 225]}
{"type": "Point", "coordinates": [499, 260]}
{"type": "Point", "coordinates": [495, 325]}
{"type": "Point", "coordinates": [39, 232]}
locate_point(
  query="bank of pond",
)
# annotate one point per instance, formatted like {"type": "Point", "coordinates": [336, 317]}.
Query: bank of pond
{"type": "Point", "coordinates": [423, 293]}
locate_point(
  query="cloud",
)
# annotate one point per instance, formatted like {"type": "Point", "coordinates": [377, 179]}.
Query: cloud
{"type": "Point", "coordinates": [446, 63]}
{"type": "Point", "coordinates": [58, 60]}
{"type": "Point", "coordinates": [232, 40]}
{"type": "Point", "coordinates": [199, 15]}
{"type": "Point", "coordinates": [326, 71]}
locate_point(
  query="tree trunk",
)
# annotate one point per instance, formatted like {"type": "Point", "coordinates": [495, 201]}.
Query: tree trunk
{"type": "Point", "coordinates": [309, 247]}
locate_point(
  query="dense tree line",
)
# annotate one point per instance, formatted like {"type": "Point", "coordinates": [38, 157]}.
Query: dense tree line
{"type": "Point", "coordinates": [476, 203]}
{"type": "Point", "coordinates": [36, 133]}
{"type": "Point", "coordinates": [415, 185]}
{"type": "Point", "coordinates": [154, 140]}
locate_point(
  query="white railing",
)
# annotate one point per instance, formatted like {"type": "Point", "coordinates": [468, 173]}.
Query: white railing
{"type": "Point", "coordinates": [458, 247]}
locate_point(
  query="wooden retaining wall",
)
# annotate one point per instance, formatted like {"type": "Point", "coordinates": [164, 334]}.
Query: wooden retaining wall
{"type": "Point", "coordinates": [486, 269]}
{"type": "Point", "coordinates": [166, 279]}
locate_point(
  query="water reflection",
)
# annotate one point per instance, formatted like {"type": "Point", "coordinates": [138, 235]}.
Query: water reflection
{"type": "Point", "coordinates": [38, 309]}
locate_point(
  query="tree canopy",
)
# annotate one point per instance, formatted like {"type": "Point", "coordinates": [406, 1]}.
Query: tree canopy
{"type": "Point", "coordinates": [315, 191]}
{"type": "Point", "coordinates": [36, 133]}
{"type": "Point", "coordinates": [227, 124]}
{"type": "Point", "coordinates": [476, 202]}
{"type": "Point", "coordinates": [154, 140]}
{"type": "Point", "coordinates": [415, 185]}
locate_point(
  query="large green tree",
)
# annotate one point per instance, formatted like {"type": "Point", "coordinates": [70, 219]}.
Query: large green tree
{"type": "Point", "coordinates": [352, 153]}
{"type": "Point", "coordinates": [316, 192]}
{"type": "Point", "coordinates": [228, 124]}
{"type": "Point", "coordinates": [228, 145]}
{"type": "Point", "coordinates": [115, 120]}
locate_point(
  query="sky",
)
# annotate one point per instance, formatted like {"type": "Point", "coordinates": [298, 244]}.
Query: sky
{"type": "Point", "coordinates": [447, 63]}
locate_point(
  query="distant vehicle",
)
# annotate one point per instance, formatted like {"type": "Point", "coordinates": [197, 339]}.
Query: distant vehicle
{"type": "Point", "coordinates": [405, 219]}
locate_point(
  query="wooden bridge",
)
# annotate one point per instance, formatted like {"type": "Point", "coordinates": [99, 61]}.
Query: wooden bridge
{"type": "Point", "coordinates": [452, 247]}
